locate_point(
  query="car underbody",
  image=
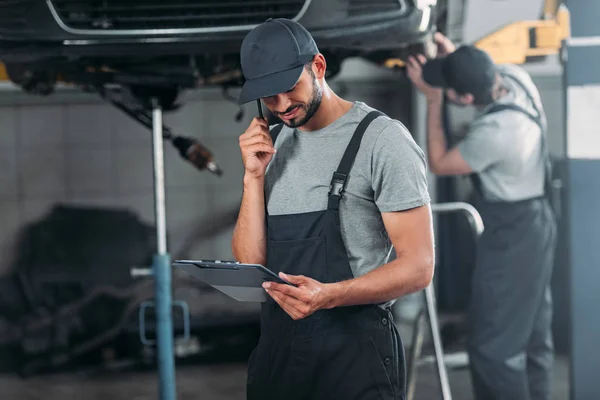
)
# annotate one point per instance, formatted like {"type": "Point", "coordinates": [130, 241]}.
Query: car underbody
{"type": "Point", "coordinates": [189, 44]}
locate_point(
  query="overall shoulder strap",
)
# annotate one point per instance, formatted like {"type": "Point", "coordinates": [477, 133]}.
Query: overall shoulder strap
{"type": "Point", "coordinates": [340, 177]}
{"type": "Point", "coordinates": [527, 93]}
{"type": "Point", "coordinates": [511, 106]}
{"type": "Point", "coordinates": [537, 119]}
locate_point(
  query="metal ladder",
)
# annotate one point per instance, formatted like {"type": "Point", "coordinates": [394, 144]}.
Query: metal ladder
{"type": "Point", "coordinates": [476, 224]}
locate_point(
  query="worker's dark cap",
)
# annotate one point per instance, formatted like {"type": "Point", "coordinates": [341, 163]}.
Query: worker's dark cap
{"type": "Point", "coordinates": [466, 70]}
{"type": "Point", "coordinates": [273, 55]}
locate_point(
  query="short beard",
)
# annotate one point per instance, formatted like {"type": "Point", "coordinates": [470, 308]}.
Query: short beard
{"type": "Point", "coordinates": [313, 104]}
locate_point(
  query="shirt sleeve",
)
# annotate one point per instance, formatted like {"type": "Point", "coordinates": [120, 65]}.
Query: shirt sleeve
{"type": "Point", "coordinates": [482, 146]}
{"type": "Point", "coordinates": [399, 170]}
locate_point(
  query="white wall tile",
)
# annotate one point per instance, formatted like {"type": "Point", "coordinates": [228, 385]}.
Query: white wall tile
{"type": "Point", "coordinates": [180, 173]}
{"type": "Point", "coordinates": [226, 201]}
{"type": "Point", "coordinates": [89, 124]}
{"type": "Point", "coordinates": [32, 210]}
{"type": "Point", "coordinates": [220, 119]}
{"type": "Point", "coordinates": [41, 125]}
{"type": "Point", "coordinates": [90, 170]}
{"type": "Point", "coordinates": [94, 200]}
{"type": "Point", "coordinates": [141, 203]}
{"type": "Point", "coordinates": [189, 120]}
{"type": "Point", "coordinates": [8, 127]}
{"type": "Point", "coordinates": [8, 174]}
{"type": "Point", "coordinates": [42, 172]}
{"type": "Point", "coordinates": [127, 132]}
{"type": "Point", "coordinates": [133, 168]}
{"type": "Point", "coordinates": [189, 218]}
{"type": "Point", "coordinates": [185, 207]}
{"type": "Point", "coordinates": [9, 228]}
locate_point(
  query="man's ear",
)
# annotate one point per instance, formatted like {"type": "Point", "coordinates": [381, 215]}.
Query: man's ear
{"type": "Point", "coordinates": [319, 66]}
{"type": "Point", "coordinates": [467, 98]}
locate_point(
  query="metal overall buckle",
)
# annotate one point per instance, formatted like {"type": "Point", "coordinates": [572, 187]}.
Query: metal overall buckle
{"type": "Point", "coordinates": [338, 184]}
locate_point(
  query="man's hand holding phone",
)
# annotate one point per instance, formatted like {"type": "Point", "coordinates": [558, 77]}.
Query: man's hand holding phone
{"type": "Point", "coordinates": [257, 148]}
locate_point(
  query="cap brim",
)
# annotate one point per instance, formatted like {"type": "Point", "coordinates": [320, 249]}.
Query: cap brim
{"type": "Point", "coordinates": [270, 85]}
{"type": "Point", "coordinates": [433, 73]}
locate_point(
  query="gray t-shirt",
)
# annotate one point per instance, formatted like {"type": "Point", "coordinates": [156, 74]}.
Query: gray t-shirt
{"type": "Point", "coordinates": [504, 147]}
{"type": "Point", "coordinates": [389, 174]}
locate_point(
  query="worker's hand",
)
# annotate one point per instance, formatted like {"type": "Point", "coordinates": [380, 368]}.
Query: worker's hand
{"type": "Point", "coordinates": [257, 147]}
{"type": "Point", "coordinates": [444, 45]}
{"type": "Point", "coordinates": [301, 300]}
{"type": "Point", "coordinates": [414, 70]}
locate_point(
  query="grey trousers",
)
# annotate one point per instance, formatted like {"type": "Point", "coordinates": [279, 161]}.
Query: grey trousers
{"type": "Point", "coordinates": [510, 314]}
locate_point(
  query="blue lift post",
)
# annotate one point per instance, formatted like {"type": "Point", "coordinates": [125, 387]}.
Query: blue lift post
{"type": "Point", "coordinates": [162, 266]}
{"type": "Point", "coordinates": [582, 79]}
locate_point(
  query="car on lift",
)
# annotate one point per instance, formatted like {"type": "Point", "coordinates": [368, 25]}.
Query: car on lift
{"type": "Point", "coordinates": [190, 43]}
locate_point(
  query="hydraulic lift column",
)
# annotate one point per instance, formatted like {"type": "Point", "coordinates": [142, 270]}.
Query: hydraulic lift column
{"type": "Point", "coordinates": [162, 265]}
{"type": "Point", "coordinates": [582, 194]}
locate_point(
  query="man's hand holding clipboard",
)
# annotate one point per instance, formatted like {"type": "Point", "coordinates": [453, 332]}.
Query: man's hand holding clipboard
{"type": "Point", "coordinates": [303, 297]}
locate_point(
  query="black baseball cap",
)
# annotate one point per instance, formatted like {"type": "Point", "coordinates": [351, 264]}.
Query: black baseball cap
{"type": "Point", "coordinates": [273, 55]}
{"type": "Point", "coordinates": [466, 70]}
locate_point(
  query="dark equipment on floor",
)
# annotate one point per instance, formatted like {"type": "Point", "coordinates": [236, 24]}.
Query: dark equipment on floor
{"type": "Point", "coordinates": [71, 290]}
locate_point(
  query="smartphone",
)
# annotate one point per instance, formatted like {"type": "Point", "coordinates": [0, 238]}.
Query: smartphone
{"type": "Point", "coordinates": [260, 111]}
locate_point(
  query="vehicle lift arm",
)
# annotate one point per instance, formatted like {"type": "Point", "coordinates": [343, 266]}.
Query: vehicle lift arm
{"type": "Point", "coordinates": [519, 41]}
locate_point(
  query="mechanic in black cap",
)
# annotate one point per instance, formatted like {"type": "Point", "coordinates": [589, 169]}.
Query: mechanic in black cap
{"type": "Point", "coordinates": [326, 195]}
{"type": "Point", "coordinates": [510, 342]}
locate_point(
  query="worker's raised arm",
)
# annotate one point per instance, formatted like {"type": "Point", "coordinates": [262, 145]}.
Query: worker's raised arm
{"type": "Point", "coordinates": [442, 161]}
{"type": "Point", "coordinates": [249, 236]}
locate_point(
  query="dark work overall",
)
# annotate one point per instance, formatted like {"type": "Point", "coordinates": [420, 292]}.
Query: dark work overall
{"type": "Point", "coordinates": [348, 353]}
{"type": "Point", "coordinates": [510, 341]}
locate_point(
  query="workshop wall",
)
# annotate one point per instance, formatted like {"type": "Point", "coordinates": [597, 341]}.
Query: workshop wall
{"type": "Point", "coordinates": [81, 151]}
{"type": "Point", "coordinates": [92, 154]}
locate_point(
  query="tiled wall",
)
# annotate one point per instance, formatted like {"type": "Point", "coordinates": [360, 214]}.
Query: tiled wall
{"type": "Point", "coordinates": [87, 152]}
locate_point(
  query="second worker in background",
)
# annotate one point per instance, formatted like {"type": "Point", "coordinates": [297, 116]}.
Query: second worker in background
{"type": "Point", "coordinates": [510, 313]}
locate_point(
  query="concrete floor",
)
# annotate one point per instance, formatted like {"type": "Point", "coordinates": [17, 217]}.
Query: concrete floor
{"type": "Point", "coordinates": [225, 381]}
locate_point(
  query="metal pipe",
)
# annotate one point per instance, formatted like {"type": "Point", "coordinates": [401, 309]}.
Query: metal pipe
{"type": "Point", "coordinates": [140, 272]}
{"type": "Point", "coordinates": [478, 227]}
{"type": "Point", "coordinates": [415, 354]}
{"type": "Point", "coordinates": [162, 266]}
{"type": "Point", "coordinates": [472, 214]}
{"type": "Point", "coordinates": [437, 342]}
{"type": "Point", "coordinates": [476, 223]}
{"type": "Point", "coordinates": [159, 178]}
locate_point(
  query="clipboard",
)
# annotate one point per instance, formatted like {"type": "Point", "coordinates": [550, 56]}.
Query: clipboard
{"type": "Point", "coordinates": [242, 282]}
